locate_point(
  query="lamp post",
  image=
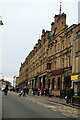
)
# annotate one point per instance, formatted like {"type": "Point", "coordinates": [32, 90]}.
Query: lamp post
{"type": "Point", "coordinates": [1, 23]}
{"type": "Point", "coordinates": [2, 79]}
{"type": "Point", "coordinates": [14, 81]}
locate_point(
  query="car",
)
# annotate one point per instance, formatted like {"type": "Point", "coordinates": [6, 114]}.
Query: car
{"type": "Point", "coordinates": [3, 87]}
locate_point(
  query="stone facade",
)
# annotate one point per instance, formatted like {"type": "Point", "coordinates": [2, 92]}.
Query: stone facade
{"type": "Point", "coordinates": [57, 50]}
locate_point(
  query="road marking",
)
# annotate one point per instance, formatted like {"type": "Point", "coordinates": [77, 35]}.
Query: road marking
{"type": "Point", "coordinates": [61, 110]}
{"type": "Point", "coordinates": [51, 106]}
{"type": "Point", "coordinates": [45, 106]}
{"type": "Point", "coordinates": [65, 114]}
{"type": "Point", "coordinates": [69, 111]}
{"type": "Point", "coordinates": [53, 109]}
{"type": "Point", "coordinates": [76, 111]}
{"type": "Point", "coordinates": [38, 103]}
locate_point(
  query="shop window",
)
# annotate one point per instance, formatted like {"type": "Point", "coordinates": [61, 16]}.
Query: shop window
{"type": "Point", "coordinates": [53, 82]}
{"type": "Point", "coordinates": [76, 88]}
{"type": "Point", "coordinates": [59, 83]}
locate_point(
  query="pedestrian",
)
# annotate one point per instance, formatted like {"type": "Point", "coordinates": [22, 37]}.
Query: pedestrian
{"type": "Point", "coordinates": [20, 93]}
{"type": "Point", "coordinates": [17, 89]}
{"type": "Point", "coordinates": [68, 95]}
{"type": "Point", "coordinates": [64, 93]}
{"type": "Point", "coordinates": [24, 90]}
{"type": "Point", "coordinates": [42, 91]}
{"type": "Point", "coordinates": [27, 90]}
{"type": "Point", "coordinates": [61, 93]}
{"type": "Point", "coordinates": [71, 94]}
{"type": "Point", "coordinates": [6, 90]}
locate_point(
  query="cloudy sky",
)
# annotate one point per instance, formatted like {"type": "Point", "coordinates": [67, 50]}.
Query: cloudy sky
{"type": "Point", "coordinates": [23, 23]}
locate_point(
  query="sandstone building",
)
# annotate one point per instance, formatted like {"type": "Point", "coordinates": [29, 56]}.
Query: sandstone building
{"type": "Point", "coordinates": [54, 58]}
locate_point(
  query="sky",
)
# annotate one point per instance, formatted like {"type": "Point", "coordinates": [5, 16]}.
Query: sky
{"type": "Point", "coordinates": [23, 23]}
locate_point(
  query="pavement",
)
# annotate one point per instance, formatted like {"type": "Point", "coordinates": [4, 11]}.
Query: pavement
{"type": "Point", "coordinates": [51, 99]}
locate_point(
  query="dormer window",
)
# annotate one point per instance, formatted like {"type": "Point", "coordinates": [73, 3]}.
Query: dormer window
{"type": "Point", "coordinates": [78, 33]}
{"type": "Point", "coordinates": [40, 45]}
{"type": "Point", "coordinates": [52, 33]}
{"type": "Point", "coordinates": [44, 41]}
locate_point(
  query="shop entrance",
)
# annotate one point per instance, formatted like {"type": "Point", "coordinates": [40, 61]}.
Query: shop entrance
{"type": "Point", "coordinates": [67, 81]}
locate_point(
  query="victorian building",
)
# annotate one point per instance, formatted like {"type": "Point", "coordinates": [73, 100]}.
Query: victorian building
{"type": "Point", "coordinates": [52, 61]}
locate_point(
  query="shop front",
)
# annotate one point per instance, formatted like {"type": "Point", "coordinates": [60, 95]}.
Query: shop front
{"type": "Point", "coordinates": [76, 86]}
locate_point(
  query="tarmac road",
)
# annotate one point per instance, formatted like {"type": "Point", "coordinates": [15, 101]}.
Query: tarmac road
{"type": "Point", "coordinates": [0, 104]}
{"type": "Point", "coordinates": [14, 106]}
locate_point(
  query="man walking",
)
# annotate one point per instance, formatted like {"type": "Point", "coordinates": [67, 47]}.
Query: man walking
{"type": "Point", "coordinates": [27, 90]}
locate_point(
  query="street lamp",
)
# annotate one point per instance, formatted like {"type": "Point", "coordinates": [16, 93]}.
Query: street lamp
{"type": "Point", "coordinates": [14, 81]}
{"type": "Point", "coordinates": [1, 23]}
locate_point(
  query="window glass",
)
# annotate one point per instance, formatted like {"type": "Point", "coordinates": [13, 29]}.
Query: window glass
{"type": "Point", "coordinates": [55, 65]}
{"type": "Point", "coordinates": [69, 41]}
{"type": "Point", "coordinates": [53, 82]}
{"type": "Point", "coordinates": [62, 62]}
{"type": "Point", "coordinates": [55, 48]}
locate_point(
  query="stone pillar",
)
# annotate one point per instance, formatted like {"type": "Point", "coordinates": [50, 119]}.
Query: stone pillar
{"type": "Point", "coordinates": [42, 81]}
{"type": "Point", "coordinates": [46, 81]}
{"type": "Point", "coordinates": [38, 82]}
{"type": "Point", "coordinates": [50, 83]}
{"type": "Point", "coordinates": [55, 85]}
{"type": "Point", "coordinates": [63, 82]}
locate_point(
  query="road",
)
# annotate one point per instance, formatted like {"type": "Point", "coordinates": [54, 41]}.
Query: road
{"type": "Point", "coordinates": [0, 104]}
{"type": "Point", "coordinates": [14, 106]}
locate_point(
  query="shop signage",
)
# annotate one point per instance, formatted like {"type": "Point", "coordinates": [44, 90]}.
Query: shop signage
{"type": "Point", "coordinates": [75, 77]}
{"type": "Point", "coordinates": [78, 76]}
{"type": "Point", "coordinates": [48, 65]}
{"type": "Point", "coordinates": [57, 72]}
